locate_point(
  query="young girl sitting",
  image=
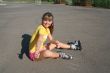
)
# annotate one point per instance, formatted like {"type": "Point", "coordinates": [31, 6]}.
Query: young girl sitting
{"type": "Point", "coordinates": [37, 47]}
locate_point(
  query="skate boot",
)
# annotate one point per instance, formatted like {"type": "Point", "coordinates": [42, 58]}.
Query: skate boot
{"type": "Point", "coordinates": [65, 56]}
{"type": "Point", "coordinates": [75, 45]}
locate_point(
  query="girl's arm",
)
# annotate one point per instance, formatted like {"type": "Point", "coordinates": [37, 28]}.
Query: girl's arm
{"type": "Point", "coordinates": [52, 40]}
{"type": "Point", "coordinates": [50, 37]}
{"type": "Point", "coordinates": [39, 43]}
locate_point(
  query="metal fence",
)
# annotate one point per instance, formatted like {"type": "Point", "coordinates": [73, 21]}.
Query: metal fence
{"type": "Point", "coordinates": [95, 3]}
{"type": "Point", "coordinates": [29, 1]}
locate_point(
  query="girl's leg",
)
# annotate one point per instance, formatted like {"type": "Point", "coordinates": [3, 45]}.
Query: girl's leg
{"type": "Point", "coordinates": [72, 46]}
{"type": "Point", "coordinates": [52, 46]}
{"type": "Point", "coordinates": [64, 46]}
{"type": "Point", "coordinates": [49, 54]}
{"type": "Point", "coordinates": [54, 55]}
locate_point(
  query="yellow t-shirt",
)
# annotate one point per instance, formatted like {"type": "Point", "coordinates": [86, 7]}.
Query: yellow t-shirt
{"type": "Point", "coordinates": [40, 30]}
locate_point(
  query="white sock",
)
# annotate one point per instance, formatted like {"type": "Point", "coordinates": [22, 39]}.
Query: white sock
{"type": "Point", "coordinates": [72, 46]}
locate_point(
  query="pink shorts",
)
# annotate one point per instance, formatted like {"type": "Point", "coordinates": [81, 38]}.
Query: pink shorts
{"type": "Point", "coordinates": [33, 57]}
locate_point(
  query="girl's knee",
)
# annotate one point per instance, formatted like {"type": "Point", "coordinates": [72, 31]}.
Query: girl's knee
{"type": "Point", "coordinates": [46, 53]}
{"type": "Point", "coordinates": [49, 54]}
{"type": "Point", "coordinates": [51, 46]}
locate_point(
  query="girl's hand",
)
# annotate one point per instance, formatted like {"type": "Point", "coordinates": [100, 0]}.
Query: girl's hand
{"type": "Point", "coordinates": [37, 53]}
{"type": "Point", "coordinates": [57, 43]}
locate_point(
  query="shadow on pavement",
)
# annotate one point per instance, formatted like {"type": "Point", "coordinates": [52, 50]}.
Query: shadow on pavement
{"type": "Point", "coordinates": [25, 46]}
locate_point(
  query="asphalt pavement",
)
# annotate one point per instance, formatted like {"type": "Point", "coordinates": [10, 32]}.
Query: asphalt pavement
{"type": "Point", "coordinates": [90, 25]}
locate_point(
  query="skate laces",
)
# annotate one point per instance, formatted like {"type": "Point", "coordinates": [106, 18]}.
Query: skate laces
{"type": "Point", "coordinates": [65, 56]}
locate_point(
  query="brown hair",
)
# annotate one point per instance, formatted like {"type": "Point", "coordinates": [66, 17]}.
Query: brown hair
{"type": "Point", "coordinates": [49, 16]}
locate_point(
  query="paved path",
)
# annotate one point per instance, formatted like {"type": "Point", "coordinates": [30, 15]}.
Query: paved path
{"type": "Point", "coordinates": [90, 25]}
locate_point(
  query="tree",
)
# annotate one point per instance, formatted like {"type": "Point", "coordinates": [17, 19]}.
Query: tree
{"type": "Point", "coordinates": [88, 2]}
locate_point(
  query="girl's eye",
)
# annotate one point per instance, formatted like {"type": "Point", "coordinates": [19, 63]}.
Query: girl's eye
{"type": "Point", "coordinates": [50, 20]}
{"type": "Point", "coordinates": [47, 20]}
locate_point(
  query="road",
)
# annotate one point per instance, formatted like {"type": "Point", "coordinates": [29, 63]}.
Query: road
{"type": "Point", "coordinates": [90, 25]}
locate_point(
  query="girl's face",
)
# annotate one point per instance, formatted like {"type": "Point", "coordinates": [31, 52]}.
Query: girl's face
{"type": "Point", "coordinates": [47, 22]}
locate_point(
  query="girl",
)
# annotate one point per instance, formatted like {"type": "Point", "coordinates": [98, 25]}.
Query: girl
{"type": "Point", "coordinates": [37, 47]}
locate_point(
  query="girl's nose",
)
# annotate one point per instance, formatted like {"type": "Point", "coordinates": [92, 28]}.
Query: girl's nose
{"type": "Point", "coordinates": [47, 21]}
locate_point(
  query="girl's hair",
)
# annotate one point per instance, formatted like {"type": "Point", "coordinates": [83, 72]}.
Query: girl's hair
{"type": "Point", "coordinates": [49, 16]}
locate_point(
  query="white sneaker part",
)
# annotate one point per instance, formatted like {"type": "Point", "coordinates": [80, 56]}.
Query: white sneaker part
{"type": "Point", "coordinates": [73, 46]}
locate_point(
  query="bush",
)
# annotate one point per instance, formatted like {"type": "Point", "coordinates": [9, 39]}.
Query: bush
{"type": "Point", "coordinates": [101, 3]}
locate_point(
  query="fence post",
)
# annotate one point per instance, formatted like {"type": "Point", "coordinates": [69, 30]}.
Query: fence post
{"type": "Point", "coordinates": [38, 2]}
